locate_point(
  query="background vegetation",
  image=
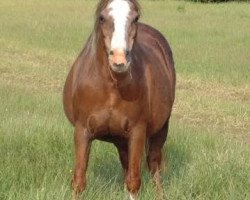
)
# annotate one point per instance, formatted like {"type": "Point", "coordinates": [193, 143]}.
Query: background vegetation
{"type": "Point", "coordinates": [218, 1]}
{"type": "Point", "coordinates": [208, 144]}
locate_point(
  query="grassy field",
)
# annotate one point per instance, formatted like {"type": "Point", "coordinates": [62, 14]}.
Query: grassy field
{"type": "Point", "coordinates": [209, 141]}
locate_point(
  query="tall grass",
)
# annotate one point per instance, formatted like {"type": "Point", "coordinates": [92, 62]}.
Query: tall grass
{"type": "Point", "coordinates": [207, 153]}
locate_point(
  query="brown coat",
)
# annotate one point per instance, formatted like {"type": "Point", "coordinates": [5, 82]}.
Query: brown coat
{"type": "Point", "coordinates": [128, 110]}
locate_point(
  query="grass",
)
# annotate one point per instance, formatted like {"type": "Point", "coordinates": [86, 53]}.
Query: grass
{"type": "Point", "coordinates": [208, 144]}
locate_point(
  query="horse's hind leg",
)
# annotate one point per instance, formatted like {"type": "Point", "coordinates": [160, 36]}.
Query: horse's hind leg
{"type": "Point", "coordinates": [154, 156]}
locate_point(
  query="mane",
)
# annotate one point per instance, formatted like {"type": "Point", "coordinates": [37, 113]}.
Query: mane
{"type": "Point", "coordinates": [95, 35]}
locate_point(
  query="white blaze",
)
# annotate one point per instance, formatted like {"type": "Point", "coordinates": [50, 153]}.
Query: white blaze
{"type": "Point", "coordinates": [119, 10]}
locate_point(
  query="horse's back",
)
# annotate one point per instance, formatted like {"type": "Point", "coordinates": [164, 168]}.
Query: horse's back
{"type": "Point", "coordinates": [154, 40]}
{"type": "Point", "coordinates": [159, 73]}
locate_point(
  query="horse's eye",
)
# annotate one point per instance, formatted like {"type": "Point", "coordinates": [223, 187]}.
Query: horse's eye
{"type": "Point", "coordinates": [136, 19]}
{"type": "Point", "coordinates": [101, 19]}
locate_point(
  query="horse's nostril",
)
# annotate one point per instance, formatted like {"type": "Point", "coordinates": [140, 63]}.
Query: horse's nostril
{"type": "Point", "coordinates": [127, 53]}
{"type": "Point", "coordinates": [111, 53]}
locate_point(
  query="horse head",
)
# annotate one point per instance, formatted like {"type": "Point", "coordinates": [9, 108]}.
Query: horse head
{"type": "Point", "coordinates": [117, 22]}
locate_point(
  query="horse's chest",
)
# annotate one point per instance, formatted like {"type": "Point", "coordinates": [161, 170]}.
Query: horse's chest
{"type": "Point", "coordinates": [108, 121]}
{"type": "Point", "coordinates": [108, 113]}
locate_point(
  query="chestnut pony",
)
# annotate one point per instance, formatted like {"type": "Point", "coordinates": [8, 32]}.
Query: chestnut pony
{"type": "Point", "coordinates": [121, 89]}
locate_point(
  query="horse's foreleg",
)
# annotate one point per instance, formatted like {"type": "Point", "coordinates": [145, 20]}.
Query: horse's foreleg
{"type": "Point", "coordinates": [82, 149]}
{"type": "Point", "coordinates": [136, 149]}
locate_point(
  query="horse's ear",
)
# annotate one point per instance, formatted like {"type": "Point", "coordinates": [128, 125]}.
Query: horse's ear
{"type": "Point", "coordinates": [137, 5]}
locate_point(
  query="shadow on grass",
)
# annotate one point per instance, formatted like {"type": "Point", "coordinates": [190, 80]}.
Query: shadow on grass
{"type": "Point", "coordinates": [104, 163]}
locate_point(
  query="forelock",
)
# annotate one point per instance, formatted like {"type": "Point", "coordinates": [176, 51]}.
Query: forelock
{"type": "Point", "coordinates": [104, 3]}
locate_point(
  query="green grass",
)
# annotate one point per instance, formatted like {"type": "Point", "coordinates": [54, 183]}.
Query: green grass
{"type": "Point", "coordinates": [208, 147]}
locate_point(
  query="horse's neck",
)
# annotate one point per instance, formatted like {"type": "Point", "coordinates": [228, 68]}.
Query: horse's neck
{"type": "Point", "coordinates": [97, 54]}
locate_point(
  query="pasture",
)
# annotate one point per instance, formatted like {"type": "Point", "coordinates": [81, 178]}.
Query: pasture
{"type": "Point", "coordinates": [208, 146]}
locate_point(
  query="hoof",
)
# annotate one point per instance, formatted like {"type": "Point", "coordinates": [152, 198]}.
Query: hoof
{"type": "Point", "coordinates": [78, 186]}
{"type": "Point", "coordinates": [132, 196]}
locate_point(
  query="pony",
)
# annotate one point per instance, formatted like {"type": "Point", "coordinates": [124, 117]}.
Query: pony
{"type": "Point", "coordinates": [121, 89]}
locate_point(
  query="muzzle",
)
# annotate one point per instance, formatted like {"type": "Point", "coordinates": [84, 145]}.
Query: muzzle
{"type": "Point", "coordinates": [119, 60]}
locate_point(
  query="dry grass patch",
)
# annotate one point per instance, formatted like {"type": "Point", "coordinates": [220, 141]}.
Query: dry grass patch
{"type": "Point", "coordinates": [215, 107]}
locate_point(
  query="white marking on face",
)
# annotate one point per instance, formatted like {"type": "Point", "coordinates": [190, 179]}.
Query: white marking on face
{"type": "Point", "coordinates": [119, 10]}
